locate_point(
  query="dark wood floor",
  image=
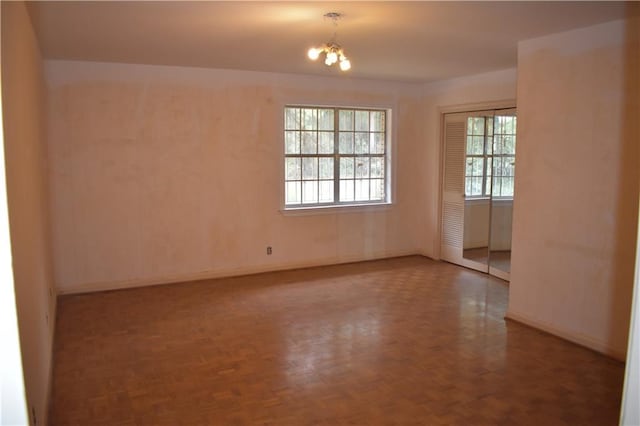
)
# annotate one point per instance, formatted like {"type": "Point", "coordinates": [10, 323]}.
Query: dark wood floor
{"type": "Point", "coordinates": [395, 342]}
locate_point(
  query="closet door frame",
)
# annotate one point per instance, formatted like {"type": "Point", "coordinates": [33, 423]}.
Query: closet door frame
{"type": "Point", "coordinates": [442, 110]}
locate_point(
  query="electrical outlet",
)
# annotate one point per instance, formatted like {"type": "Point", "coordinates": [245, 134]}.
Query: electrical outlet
{"type": "Point", "coordinates": [269, 250]}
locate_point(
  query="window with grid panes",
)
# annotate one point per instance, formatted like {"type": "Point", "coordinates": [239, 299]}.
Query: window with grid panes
{"type": "Point", "coordinates": [504, 155]}
{"type": "Point", "coordinates": [334, 156]}
{"type": "Point", "coordinates": [490, 156]}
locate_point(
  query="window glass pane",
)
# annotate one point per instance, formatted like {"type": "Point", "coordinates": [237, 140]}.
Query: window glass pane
{"type": "Point", "coordinates": [326, 191]}
{"type": "Point", "coordinates": [475, 145]}
{"type": "Point", "coordinates": [377, 189]}
{"type": "Point", "coordinates": [325, 119]}
{"type": "Point", "coordinates": [293, 168]}
{"type": "Point", "coordinates": [377, 144]}
{"type": "Point", "coordinates": [478, 166]}
{"type": "Point", "coordinates": [476, 186]}
{"type": "Point", "coordinates": [310, 192]}
{"type": "Point", "coordinates": [346, 189]}
{"type": "Point", "coordinates": [292, 142]}
{"type": "Point", "coordinates": [293, 193]}
{"type": "Point", "coordinates": [497, 144]}
{"type": "Point", "coordinates": [510, 166]}
{"type": "Point", "coordinates": [478, 143]}
{"type": "Point", "coordinates": [309, 119]}
{"type": "Point", "coordinates": [346, 119]}
{"type": "Point", "coordinates": [346, 168]}
{"type": "Point", "coordinates": [346, 143]}
{"type": "Point", "coordinates": [377, 167]}
{"type": "Point", "coordinates": [362, 121]}
{"type": "Point", "coordinates": [362, 167]}
{"type": "Point", "coordinates": [309, 142]}
{"type": "Point", "coordinates": [362, 190]}
{"type": "Point", "coordinates": [292, 118]}
{"type": "Point", "coordinates": [325, 143]}
{"type": "Point", "coordinates": [489, 126]}
{"type": "Point", "coordinates": [497, 187]}
{"type": "Point", "coordinates": [497, 166]}
{"type": "Point", "coordinates": [475, 126]}
{"type": "Point", "coordinates": [509, 127]}
{"type": "Point", "coordinates": [470, 146]}
{"type": "Point", "coordinates": [509, 145]}
{"type": "Point", "coordinates": [507, 187]}
{"type": "Point", "coordinates": [499, 124]}
{"type": "Point", "coordinates": [377, 121]}
{"type": "Point", "coordinates": [309, 168]}
{"type": "Point", "coordinates": [326, 168]}
{"type": "Point", "coordinates": [362, 143]}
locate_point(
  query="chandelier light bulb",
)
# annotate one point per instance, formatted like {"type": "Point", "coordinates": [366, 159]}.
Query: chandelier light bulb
{"type": "Point", "coordinates": [314, 53]}
{"type": "Point", "coordinates": [332, 51]}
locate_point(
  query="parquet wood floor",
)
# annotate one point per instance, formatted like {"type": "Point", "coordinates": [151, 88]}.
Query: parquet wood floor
{"type": "Point", "coordinates": [405, 341]}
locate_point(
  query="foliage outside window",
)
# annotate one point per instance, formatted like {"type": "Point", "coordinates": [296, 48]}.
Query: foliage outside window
{"type": "Point", "coordinates": [490, 156]}
{"type": "Point", "coordinates": [334, 156]}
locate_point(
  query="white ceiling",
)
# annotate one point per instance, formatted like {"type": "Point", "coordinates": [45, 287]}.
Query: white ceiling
{"type": "Point", "coordinates": [405, 41]}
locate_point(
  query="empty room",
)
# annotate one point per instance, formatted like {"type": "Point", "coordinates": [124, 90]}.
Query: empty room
{"type": "Point", "coordinates": [319, 213]}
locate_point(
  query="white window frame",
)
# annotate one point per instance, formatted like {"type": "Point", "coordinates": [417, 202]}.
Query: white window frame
{"type": "Point", "coordinates": [387, 157]}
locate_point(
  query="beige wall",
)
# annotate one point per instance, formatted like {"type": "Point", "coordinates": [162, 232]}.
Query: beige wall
{"type": "Point", "coordinates": [23, 98]}
{"type": "Point", "coordinates": [165, 173]}
{"type": "Point", "coordinates": [154, 171]}
{"type": "Point", "coordinates": [476, 223]}
{"type": "Point", "coordinates": [573, 258]}
{"type": "Point", "coordinates": [483, 217]}
{"type": "Point", "coordinates": [460, 94]}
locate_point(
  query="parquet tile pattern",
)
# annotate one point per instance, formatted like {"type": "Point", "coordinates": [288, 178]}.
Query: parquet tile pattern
{"type": "Point", "coordinates": [404, 341]}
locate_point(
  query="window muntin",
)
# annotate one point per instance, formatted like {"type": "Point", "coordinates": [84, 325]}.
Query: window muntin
{"type": "Point", "coordinates": [504, 155]}
{"type": "Point", "coordinates": [490, 156]}
{"type": "Point", "coordinates": [335, 156]}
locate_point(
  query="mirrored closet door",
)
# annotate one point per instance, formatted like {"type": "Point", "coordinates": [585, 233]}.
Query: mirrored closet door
{"type": "Point", "coordinates": [478, 183]}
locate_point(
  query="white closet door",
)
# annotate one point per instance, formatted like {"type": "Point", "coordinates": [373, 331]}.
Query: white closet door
{"type": "Point", "coordinates": [452, 242]}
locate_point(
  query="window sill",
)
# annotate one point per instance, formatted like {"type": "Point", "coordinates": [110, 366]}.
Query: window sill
{"type": "Point", "coordinates": [481, 200]}
{"type": "Point", "coordinates": [351, 208]}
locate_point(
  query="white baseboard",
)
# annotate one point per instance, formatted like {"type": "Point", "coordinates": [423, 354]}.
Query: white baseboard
{"type": "Point", "coordinates": [576, 338]}
{"type": "Point", "coordinates": [227, 272]}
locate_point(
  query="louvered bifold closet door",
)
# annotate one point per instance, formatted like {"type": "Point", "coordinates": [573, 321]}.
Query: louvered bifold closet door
{"type": "Point", "coordinates": [453, 188]}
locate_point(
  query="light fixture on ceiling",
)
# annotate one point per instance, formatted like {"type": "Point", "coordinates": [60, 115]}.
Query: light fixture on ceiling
{"type": "Point", "coordinates": [332, 50]}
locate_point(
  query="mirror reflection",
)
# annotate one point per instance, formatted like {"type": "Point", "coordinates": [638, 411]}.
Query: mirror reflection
{"type": "Point", "coordinates": [489, 189]}
{"type": "Point", "coordinates": [502, 192]}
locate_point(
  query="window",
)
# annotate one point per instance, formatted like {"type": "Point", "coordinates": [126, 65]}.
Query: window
{"type": "Point", "coordinates": [335, 156]}
{"type": "Point", "coordinates": [490, 156]}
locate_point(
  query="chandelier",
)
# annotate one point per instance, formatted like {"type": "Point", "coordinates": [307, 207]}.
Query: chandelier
{"type": "Point", "coordinates": [332, 50]}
